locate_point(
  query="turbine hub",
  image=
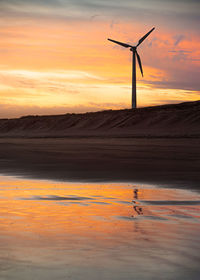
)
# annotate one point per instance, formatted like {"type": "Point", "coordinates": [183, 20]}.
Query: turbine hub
{"type": "Point", "coordinates": [133, 49]}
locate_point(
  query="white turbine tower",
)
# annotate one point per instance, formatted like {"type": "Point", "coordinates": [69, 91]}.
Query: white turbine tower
{"type": "Point", "coordinates": [133, 49]}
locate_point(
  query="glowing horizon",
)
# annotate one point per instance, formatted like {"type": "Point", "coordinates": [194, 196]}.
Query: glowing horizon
{"type": "Point", "coordinates": [55, 57]}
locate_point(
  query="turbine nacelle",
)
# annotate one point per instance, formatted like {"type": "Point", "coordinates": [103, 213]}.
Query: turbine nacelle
{"type": "Point", "coordinates": [133, 49]}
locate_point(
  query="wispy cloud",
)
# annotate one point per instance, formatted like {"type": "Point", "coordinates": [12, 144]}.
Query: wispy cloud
{"type": "Point", "coordinates": [50, 81]}
{"type": "Point", "coordinates": [62, 74]}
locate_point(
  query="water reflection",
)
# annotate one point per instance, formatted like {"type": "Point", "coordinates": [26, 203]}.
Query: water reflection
{"type": "Point", "coordinates": [137, 209]}
{"type": "Point", "coordinates": [54, 230]}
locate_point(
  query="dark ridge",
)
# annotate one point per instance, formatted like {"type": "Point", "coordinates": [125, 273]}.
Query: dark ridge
{"type": "Point", "coordinates": [174, 120]}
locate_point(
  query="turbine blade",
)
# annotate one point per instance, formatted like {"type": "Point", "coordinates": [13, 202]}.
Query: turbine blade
{"type": "Point", "coordinates": [140, 63]}
{"type": "Point", "coordinates": [120, 43]}
{"type": "Point", "coordinates": [144, 37]}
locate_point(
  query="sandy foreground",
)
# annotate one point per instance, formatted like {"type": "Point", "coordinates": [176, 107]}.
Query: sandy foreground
{"type": "Point", "coordinates": [170, 162]}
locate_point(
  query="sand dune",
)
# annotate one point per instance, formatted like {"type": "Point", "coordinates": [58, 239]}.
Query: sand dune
{"type": "Point", "coordinates": [176, 120]}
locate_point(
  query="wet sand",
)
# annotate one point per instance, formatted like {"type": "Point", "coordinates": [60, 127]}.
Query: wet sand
{"type": "Point", "coordinates": [59, 230]}
{"type": "Point", "coordinates": [170, 162]}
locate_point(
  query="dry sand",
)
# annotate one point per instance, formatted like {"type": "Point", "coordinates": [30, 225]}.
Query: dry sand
{"type": "Point", "coordinates": [171, 162]}
{"type": "Point", "coordinates": [176, 120]}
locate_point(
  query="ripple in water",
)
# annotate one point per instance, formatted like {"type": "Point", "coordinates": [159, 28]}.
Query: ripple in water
{"type": "Point", "coordinates": [53, 230]}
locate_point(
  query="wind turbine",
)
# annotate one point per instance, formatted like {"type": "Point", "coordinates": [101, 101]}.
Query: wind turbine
{"type": "Point", "coordinates": [133, 49]}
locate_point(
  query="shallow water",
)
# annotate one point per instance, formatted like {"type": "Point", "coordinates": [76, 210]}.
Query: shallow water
{"type": "Point", "coordinates": [56, 230]}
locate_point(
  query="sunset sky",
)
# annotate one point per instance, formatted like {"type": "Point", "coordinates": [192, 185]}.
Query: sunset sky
{"type": "Point", "coordinates": [55, 57]}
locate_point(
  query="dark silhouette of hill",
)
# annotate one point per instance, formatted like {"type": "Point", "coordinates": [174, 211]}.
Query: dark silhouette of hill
{"type": "Point", "coordinates": [174, 120]}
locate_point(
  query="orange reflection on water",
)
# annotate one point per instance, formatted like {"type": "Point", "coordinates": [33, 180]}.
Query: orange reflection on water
{"type": "Point", "coordinates": [43, 207]}
{"type": "Point", "coordinates": [109, 225]}
{"type": "Point", "coordinates": [51, 209]}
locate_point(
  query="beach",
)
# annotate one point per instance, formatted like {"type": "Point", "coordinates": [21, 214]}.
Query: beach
{"type": "Point", "coordinates": [164, 161]}
{"type": "Point", "coordinates": [80, 199]}
{"type": "Point", "coordinates": [63, 230]}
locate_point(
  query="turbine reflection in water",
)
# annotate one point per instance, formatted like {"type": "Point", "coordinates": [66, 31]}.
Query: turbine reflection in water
{"type": "Point", "coordinates": [54, 230]}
